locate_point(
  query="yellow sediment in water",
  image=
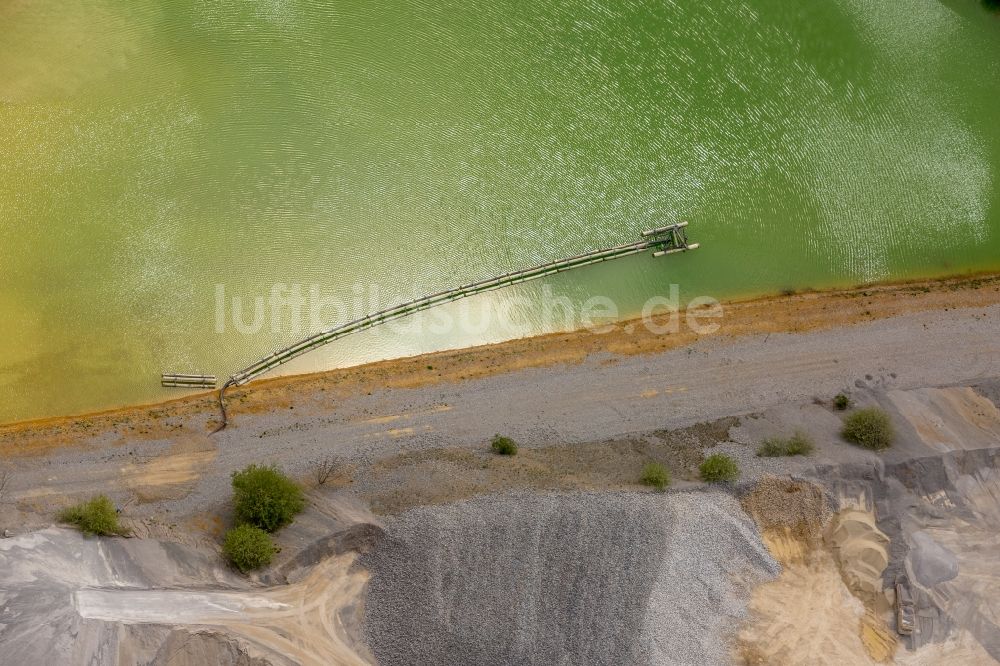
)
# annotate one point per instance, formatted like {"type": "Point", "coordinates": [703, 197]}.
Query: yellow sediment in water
{"type": "Point", "coordinates": [154, 151]}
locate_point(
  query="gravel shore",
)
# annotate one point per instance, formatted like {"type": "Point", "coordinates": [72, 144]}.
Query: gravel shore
{"type": "Point", "coordinates": [559, 574]}
{"type": "Point", "coordinates": [603, 397]}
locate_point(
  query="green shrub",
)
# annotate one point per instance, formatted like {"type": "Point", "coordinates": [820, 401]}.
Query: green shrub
{"type": "Point", "coordinates": [797, 445]}
{"type": "Point", "coordinates": [772, 448]}
{"type": "Point", "coordinates": [719, 467]}
{"type": "Point", "coordinates": [841, 401]}
{"type": "Point", "coordinates": [96, 516]}
{"type": "Point", "coordinates": [505, 446]}
{"type": "Point", "coordinates": [869, 428]}
{"type": "Point", "coordinates": [247, 547]}
{"type": "Point", "coordinates": [656, 475]}
{"type": "Point", "coordinates": [265, 498]}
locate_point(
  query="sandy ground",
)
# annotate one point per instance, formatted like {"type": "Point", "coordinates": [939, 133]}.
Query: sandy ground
{"type": "Point", "coordinates": [815, 612]}
{"type": "Point", "coordinates": [42, 570]}
{"type": "Point", "coordinates": [584, 422]}
{"type": "Point", "coordinates": [806, 616]}
{"type": "Point", "coordinates": [965, 523]}
{"type": "Point", "coordinates": [299, 622]}
{"type": "Point", "coordinates": [68, 599]}
{"type": "Point", "coordinates": [833, 602]}
{"type": "Point", "coordinates": [535, 577]}
{"type": "Point", "coordinates": [172, 476]}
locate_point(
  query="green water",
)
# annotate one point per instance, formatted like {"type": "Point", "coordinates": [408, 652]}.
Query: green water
{"type": "Point", "coordinates": [150, 151]}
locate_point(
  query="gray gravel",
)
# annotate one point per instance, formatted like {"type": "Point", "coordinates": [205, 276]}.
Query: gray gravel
{"type": "Point", "coordinates": [558, 405]}
{"type": "Point", "coordinates": [931, 562]}
{"type": "Point", "coordinates": [576, 578]}
{"type": "Point", "coordinates": [587, 402]}
{"type": "Point", "coordinates": [40, 572]}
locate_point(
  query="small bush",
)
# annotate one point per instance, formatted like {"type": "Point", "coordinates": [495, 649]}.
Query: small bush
{"type": "Point", "coordinates": [799, 445]}
{"type": "Point", "coordinates": [719, 467]}
{"type": "Point", "coordinates": [505, 446]}
{"type": "Point", "coordinates": [265, 498]}
{"type": "Point", "coordinates": [772, 448]}
{"type": "Point", "coordinates": [97, 516]}
{"type": "Point", "coordinates": [325, 468]}
{"type": "Point", "coordinates": [869, 428]}
{"type": "Point", "coordinates": [656, 475]}
{"type": "Point", "coordinates": [841, 401]}
{"type": "Point", "coordinates": [247, 547]}
{"type": "Point", "coordinates": [5, 477]}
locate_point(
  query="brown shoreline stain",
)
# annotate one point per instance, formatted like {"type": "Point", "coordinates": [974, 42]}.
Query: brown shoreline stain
{"type": "Point", "coordinates": [793, 313]}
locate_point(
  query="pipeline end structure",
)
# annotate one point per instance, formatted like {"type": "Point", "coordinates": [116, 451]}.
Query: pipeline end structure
{"type": "Point", "coordinates": [669, 239]}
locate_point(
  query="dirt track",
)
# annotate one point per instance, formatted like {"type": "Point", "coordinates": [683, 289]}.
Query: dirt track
{"type": "Point", "coordinates": [299, 622]}
{"type": "Point", "coordinates": [182, 478]}
{"type": "Point", "coordinates": [602, 397]}
{"type": "Point", "coordinates": [795, 313]}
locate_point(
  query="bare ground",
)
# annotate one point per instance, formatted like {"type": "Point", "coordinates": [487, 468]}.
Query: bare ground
{"type": "Point", "coordinates": [789, 313]}
{"type": "Point", "coordinates": [629, 401]}
{"type": "Point", "coordinates": [587, 425]}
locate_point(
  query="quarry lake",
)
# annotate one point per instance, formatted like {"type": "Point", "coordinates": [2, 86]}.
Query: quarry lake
{"type": "Point", "coordinates": [158, 158]}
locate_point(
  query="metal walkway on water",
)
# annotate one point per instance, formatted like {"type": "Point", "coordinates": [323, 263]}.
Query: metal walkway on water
{"type": "Point", "coordinates": [662, 240]}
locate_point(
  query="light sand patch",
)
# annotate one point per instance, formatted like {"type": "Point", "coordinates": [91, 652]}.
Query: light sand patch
{"type": "Point", "coordinates": [784, 546]}
{"type": "Point", "coordinates": [168, 476]}
{"type": "Point", "coordinates": [809, 615]}
{"type": "Point", "coordinates": [806, 616]}
{"type": "Point", "coordinates": [862, 552]}
{"type": "Point", "coordinates": [959, 649]}
{"type": "Point", "coordinates": [389, 418]}
{"type": "Point", "coordinates": [301, 622]}
{"type": "Point", "coordinates": [950, 418]}
{"type": "Point", "coordinates": [879, 640]}
{"type": "Point", "coordinates": [972, 598]}
{"type": "Point", "coordinates": [171, 476]}
{"type": "Point", "coordinates": [167, 471]}
{"type": "Point", "coordinates": [380, 420]}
